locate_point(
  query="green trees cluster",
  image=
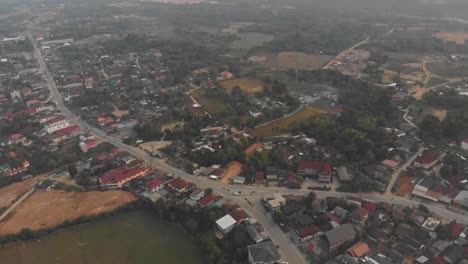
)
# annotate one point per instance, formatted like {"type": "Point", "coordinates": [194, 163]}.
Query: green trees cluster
{"type": "Point", "coordinates": [454, 126]}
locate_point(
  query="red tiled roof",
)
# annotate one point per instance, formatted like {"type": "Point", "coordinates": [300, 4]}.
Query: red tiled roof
{"type": "Point", "coordinates": [154, 183]}
{"type": "Point", "coordinates": [369, 206]}
{"type": "Point", "coordinates": [56, 119]}
{"type": "Point", "coordinates": [178, 184]}
{"type": "Point", "coordinates": [428, 157]}
{"type": "Point", "coordinates": [121, 174]}
{"type": "Point", "coordinates": [455, 180]}
{"type": "Point", "coordinates": [260, 175]}
{"type": "Point", "coordinates": [101, 156]}
{"type": "Point", "coordinates": [358, 250]}
{"type": "Point", "coordinates": [89, 141]}
{"type": "Point", "coordinates": [207, 200]}
{"type": "Point", "coordinates": [116, 151]}
{"type": "Point", "coordinates": [227, 207]}
{"type": "Point", "coordinates": [333, 217]}
{"type": "Point", "coordinates": [68, 130]}
{"type": "Point", "coordinates": [322, 167]}
{"type": "Point", "coordinates": [359, 213]}
{"type": "Point", "coordinates": [465, 140]}
{"type": "Point", "coordinates": [307, 231]}
{"type": "Point", "coordinates": [239, 215]}
{"type": "Point", "coordinates": [252, 148]}
{"type": "Point", "coordinates": [457, 229]}
{"type": "Point", "coordinates": [16, 136]}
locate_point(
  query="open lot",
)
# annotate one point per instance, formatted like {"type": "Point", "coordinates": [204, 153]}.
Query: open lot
{"type": "Point", "coordinates": [250, 86]}
{"type": "Point", "coordinates": [286, 124]}
{"type": "Point", "coordinates": [234, 168]}
{"type": "Point", "coordinates": [250, 40]}
{"type": "Point", "coordinates": [45, 209]}
{"type": "Point", "coordinates": [447, 70]}
{"type": "Point", "coordinates": [298, 60]}
{"type": "Point", "coordinates": [210, 104]}
{"type": "Point", "coordinates": [13, 191]}
{"type": "Point", "coordinates": [457, 37]}
{"type": "Point", "coordinates": [435, 81]}
{"type": "Point", "coordinates": [404, 185]}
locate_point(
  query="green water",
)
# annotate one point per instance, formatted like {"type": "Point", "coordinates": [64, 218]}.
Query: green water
{"type": "Point", "coordinates": [134, 237]}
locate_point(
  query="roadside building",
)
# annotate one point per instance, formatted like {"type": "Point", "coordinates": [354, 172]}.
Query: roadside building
{"type": "Point", "coordinates": [226, 223]}
{"type": "Point", "coordinates": [304, 234]}
{"type": "Point", "coordinates": [428, 159]}
{"type": "Point", "coordinates": [154, 185]}
{"type": "Point", "coordinates": [343, 174]}
{"type": "Point", "coordinates": [340, 235]}
{"type": "Point", "coordinates": [57, 123]}
{"type": "Point", "coordinates": [319, 169]}
{"type": "Point", "coordinates": [122, 175]}
{"type": "Point", "coordinates": [263, 253]}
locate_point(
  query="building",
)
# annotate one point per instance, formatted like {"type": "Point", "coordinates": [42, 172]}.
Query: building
{"type": "Point", "coordinates": [304, 234]}
{"type": "Point", "coordinates": [226, 223]}
{"type": "Point", "coordinates": [340, 235]}
{"type": "Point", "coordinates": [197, 194]}
{"type": "Point", "coordinates": [16, 138]}
{"type": "Point", "coordinates": [207, 200]}
{"type": "Point", "coordinates": [15, 95]}
{"type": "Point", "coordinates": [427, 160]}
{"type": "Point", "coordinates": [57, 123]}
{"type": "Point", "coordinates": [263, 253]}
{"type": "Point", "coordinates": [252, 148]}
{"type": "Point", "coordinates": [88, 144]}
{"type": "Point", "coordinates": [358, 250]}
{"type": "Point", "coordinates": [154, 185]}
{"type": "Point", "coordinates": [319, 169]}
{"type": "Point", "coordinates": [343, 174]}
{"type": "Point", "coordinates": [122, 175]}
{"type": "Point", "coordinates": [274, 203]}
{"type": "Point", "coordinates": [461, 199]}
{"type": "Point", "coordinates": [464, 144]}
{"type": "Point", "coordinates": [359, 216]}
{"type": "Point", "coordinates": [178, 185]}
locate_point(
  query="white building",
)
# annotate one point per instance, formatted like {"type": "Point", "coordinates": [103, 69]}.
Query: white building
{"type": "Point", "coordinates": [226, 223]}
{"type": "Point", "coordinates": [55, 124]}
{"type": "Point", "coordinates": [464, 144]}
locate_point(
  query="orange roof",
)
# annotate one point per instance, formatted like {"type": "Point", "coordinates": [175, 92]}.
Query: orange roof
{"type": "Point", "coordinates": [390, 163]}
{"type": "Point", "coordinates": [358, 250]}
{"type": "Point", "coordinates": [252, 148]}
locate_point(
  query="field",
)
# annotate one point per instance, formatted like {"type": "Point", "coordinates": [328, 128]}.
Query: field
{"type": "Point", "coordinates": [404, 185]}
{"type": "Point", "coordinates": [283, 125]}
{"type": "Point", "coordinates": [249, 85]}
{"type": "Point", "coordinates": [457, 37]}
{"type": "Point", "coordinates": [250, 40]}
{"type": "Point", "coordinates": [435, 81]}
{"type": "Point", "coordinates": [210, 104]}
{"type": "Point", "coordinates": [298, 60]}
{"type": "Point", "coordinates": [447, 70]}
{"type": "Point", "coordinates": [45, 209]}
{"type": "Point", "coordinates": [233, 169]}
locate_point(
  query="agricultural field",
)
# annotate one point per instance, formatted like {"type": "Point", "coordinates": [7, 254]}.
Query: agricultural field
{"type": "Point", "coordinates": [286, 124]}
{"type": "Point", "coordinates": [301, 61]}
{"type": "Point", "coordinates": [210, 104]}
{"type": "Point", "coordinates": [457, 37]}
{"type": "Point", "coordinates": [435, 81]}
{"type": "Point", "coordinates": [447, 70]}
{"type": "Point", "coordinates": [250, 86]}
{"type": "Point", "coordinates": [250, 40]}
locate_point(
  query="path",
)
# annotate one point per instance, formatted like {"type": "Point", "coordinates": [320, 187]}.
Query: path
{"type": "Point", "coordinates": [397, 173]}
{"type": "Point", "coordinates": [15, 204]}
{"type": "Point", "coordinates": [346, 51]}
{"type": "Point", "coordinates": [405, 117]}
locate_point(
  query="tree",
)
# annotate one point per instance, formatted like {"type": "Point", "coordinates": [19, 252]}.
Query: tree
{"type": "Point", "coordinates": [430, 128]}
{"type": "Point", "coordinates": [309, 200]}
{"type": "Point", "coordinates": [72, 170]}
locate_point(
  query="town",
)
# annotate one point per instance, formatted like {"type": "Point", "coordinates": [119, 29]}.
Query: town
{"type": "Point", "coordinates": [353, 161]}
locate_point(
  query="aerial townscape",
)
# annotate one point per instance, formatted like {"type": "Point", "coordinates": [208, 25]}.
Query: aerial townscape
{"type": "Point", "coordinates": [234, 131]}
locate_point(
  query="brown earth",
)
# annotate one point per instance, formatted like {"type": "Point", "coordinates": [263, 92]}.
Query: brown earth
{"type": "Point", "coordinates": [404, 185]}
{"type": "Point", "coordinates": [233, 169]}
{"type": "Point", "coordinates": [457, 37]}
{"type": "Point", "coordinates": [250, 86]}
{"type": "Point", "coordinates": [299, 60]}
{"type": "Point", "coordinates": [12, 192]}
{"type": "Point", "coordinates": [45, 209]}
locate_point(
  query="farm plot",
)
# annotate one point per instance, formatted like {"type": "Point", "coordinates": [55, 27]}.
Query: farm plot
{"type": "Point", "coordinates": [457, 37]}
{"type": "Point", "coordinates": [250, 86]}
{"type": "Point", "coordinates": [302, 61]}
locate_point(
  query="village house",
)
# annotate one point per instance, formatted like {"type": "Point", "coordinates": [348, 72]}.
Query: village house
{"type": "Point", "coordinates": [343, 174]}
{"type": "Point", "coordinates": [275, 202]}
{"type": "Point", "coordinates": [16, 138]}
{"type": "Point", "coordinates": [319, 169]}
{"type": "Point", "coordinates": [358, 250]}
{"type": "Point", "coordinates": [122, 175]}
{"type": "Point", "coordinates": [359, 216]}
{"type": "Point", "coordinates": [88, 144]}
{"type": "Point", "coordinates": [154, 185]}
{"type": "Point", "coordinates": [178, 185]}
{"type": "Point", "coordinates": [464, 144]}
{"type": "Point", "coordinates": [263, 253]}
{"type": "Point", "coordinates": [197, 194]}
{"type": "Point", "coordinates": [57, 123]}
{"type": "Point", "coordinates": [306, 233]}
{"type": "Point", "coordinates": [339, 236]}
{"type": "Point", "coordinates": [226, 224]}
{"type": "Point", "coordinates": [427, 160]}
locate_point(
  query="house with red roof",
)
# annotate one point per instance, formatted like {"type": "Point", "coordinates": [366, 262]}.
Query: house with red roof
{"type": "Point", "coordinates": [319, 169]}
{"type": "Point", "coordinates": [154, 185]}
{"type": "Point", "coordinates": [260, 177]}
{"type": "Point", "coordinates": [87, 144]}
{"type": "Point", "coordinates": [101, 156]}
{"type": "Point", "coordinates": [178, 185]}
{"type": "Point", "coordinates": [207, 200]}
{"type": "Point", "coordinates": [358, 250]}
{"type": "Point", "coordinates": [16, 138]}
{"type": "Point", "coordinates": [428, 159]}
{"type": "Point", "coordinates": [457, 229]}
{"type": "Point", "coordinates": [239, 215]}
{"type": "Point", "coordinates": [57, 123]}
{"type": "Point", "coordinates": [307, 233]}
{"type": "Point", "coordinates": [464, 144]}
{"type": "Point", "coordinates": [359, 216]}
{"type": "Point", "coordinates": [17, 170]}
{"type": "Point", "coordinates": [122, 175]}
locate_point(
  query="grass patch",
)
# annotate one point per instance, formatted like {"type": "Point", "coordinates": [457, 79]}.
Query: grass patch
{"type": "Point", "coordinates": [434, 81]}
{"type": "Point", "coordinates": [284, 125]}
{"type": "Point", "coordinates": [447, 70]}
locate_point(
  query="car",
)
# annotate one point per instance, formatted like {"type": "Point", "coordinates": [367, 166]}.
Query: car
{"type": "Point", "coordinates": [235, 193]}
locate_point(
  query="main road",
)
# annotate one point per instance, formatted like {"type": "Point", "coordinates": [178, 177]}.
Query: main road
{"type": "Point", "coordinates": [251, 195]}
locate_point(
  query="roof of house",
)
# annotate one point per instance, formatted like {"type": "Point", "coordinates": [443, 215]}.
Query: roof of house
{"type": "Point", "coordinates": [343, 174]}
{"type": "Point", "coordinates": [465, 140]}
{"type": "Point", "coordinates": [390, 163]}
{"type": "Point", "coordinates": [307, 231]}
{"type": "Point", "coordinates": [239, 214]}
{"type": "Point", "coordinates": [333, 217]}
{"type": "Point", "coordinates": [154, 183]}
{"type": "Point", "coordinates": [16, 136]}
{"type": "Point", "coordinates": [428, 157]}
{"type": "Point", "coordinates": [264, 252]}
{"type": "Point", "coordinates": [121, 174]}
{"type": "Point", "coordinates": [359, 249]}
{"type": "Point", "coordinates": [56, 119]}
{"type": "Point", "coordinates": [322, 167]}
{"type": "Point", "coordinates": [340, 233]}
{"type": "Point", "coordinates": [260, 175]}
{"type": "Point", "coordinates": [369, 206]}
{"type": "Point", "coordinates": [207, 199]}
{"type": "Point", "coordinates": [252, 148]}
{"type": "Point", "coordinates": [68, 130]}
{"type": "Point", "coordinates": [359, 214]}
{"type": "Point", "coordinates": [226, 221]}
{"type": "Point", "coordinates": [457, 229]}
{"type": "Point", "coordinates": [178, 184]}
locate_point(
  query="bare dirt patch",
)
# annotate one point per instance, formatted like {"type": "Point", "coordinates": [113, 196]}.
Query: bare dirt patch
{"type": "Point", "coordinates": [388, 76]}
{"type": "Point", "coordinates": [233, 169]}
{"type": "Point", "coordinates": [299, 60]}
{"type": "Point", "coordinates": [250, 86]}
{"type": "Point", "coordinates": [45, 209]}
{"type": "Point", "coordinates": [441, 114]}
{"type": "Point", "coordinates": [417, 92]}
{"type": "Point", "coordinates": [404, 185]}
{"type": "Point", "coordinates": [12, 192]}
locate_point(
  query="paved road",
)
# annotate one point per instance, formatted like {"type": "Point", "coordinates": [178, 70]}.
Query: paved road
{"type": "Point", "coordinates": [288, 250]}
{"type": "Point", "coordinates": [13, 206]}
